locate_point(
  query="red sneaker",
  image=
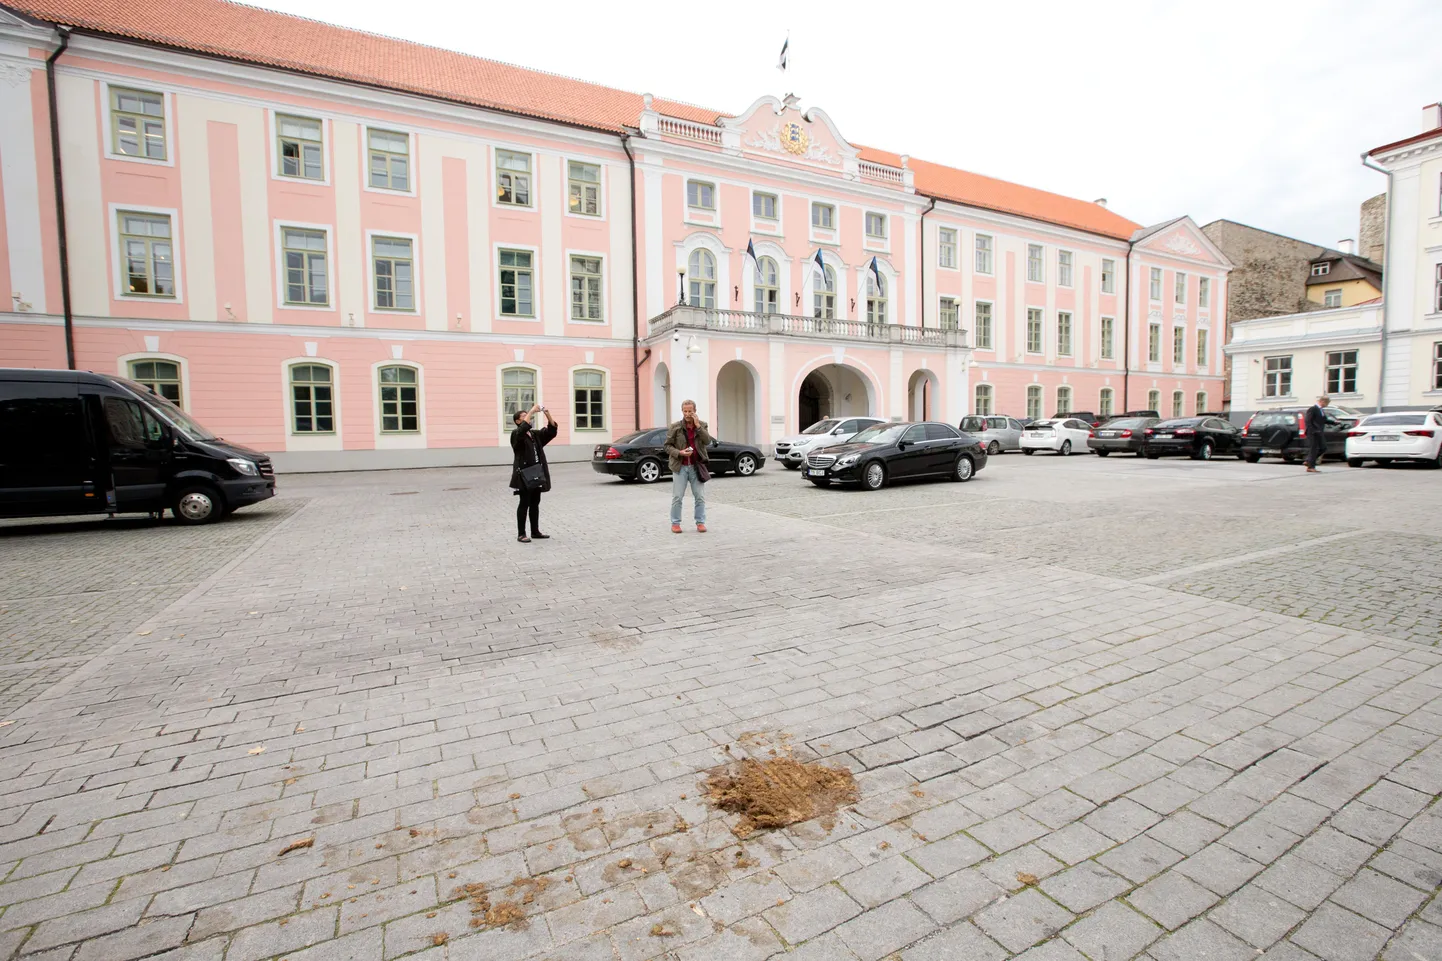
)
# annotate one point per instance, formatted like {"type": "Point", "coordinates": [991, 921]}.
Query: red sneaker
{"type": "Point", "coordinates": [675, 528]}
{"type": "Point", "coordinates": [700, 528]}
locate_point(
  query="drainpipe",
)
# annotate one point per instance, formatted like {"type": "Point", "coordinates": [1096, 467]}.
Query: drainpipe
{"type": "Point", "coordinates": [60, 198]}
{"type": "Point", "coordinates": [1127, 333]}
{"type": "Point", "coordinates": [1386, 276]}
{"type": "Point", "coordinates": [928, 210]}
{"type": "Point", "coordinates": [635, 290]}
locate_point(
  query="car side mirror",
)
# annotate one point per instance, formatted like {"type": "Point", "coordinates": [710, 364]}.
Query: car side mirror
{"type": "Point", "coordinates": [837, 432]}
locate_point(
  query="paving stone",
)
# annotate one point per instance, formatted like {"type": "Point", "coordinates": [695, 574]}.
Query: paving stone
{"type": "Point", "coordinates": [812, 913]}
{"type": "Point", "coordinates": [1113, 931]}
{"type": "Point", "coordinates": [1336, 934]}
{"type": "Point", "coordinates": [878, 883]}
{"type": "Point", "coordinates": [1379, 898]}
{"type": "Point", "coordinates": [885, 929]}
{"type": "Point", "coordinates": [1074, 843]}
{"type": "Point", "coordinates": [1257, 916]}
{"type": "Point", "coordinates": [1201, 940]}
{"type": "Point", "coordinates": [1019, 922]}
{"type": "Point", "coordinates": [1219, 869]}
{"type": "Point", "coordinates": [1303, 883]}
{"type": "Point", "coordinates": [941, 858]}
{"type": "Point", "coordinates": [1140, 859]}
{"type": "Point", "coordinates": [1417, 940]}
{"type": "Point", "coordinates": [957, 896]}
{"type": "Point", "coordinates": [1172, 900]}
{"type": "Point", "coordinates": [1083, 887]}
{"type": "Point", "coordinates": [960, 941]}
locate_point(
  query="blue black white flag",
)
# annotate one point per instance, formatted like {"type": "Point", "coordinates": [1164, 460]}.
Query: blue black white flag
{"type": "Point", "coordinates": [820, 264]}
{"type": "Point", "coordinates": [785, 53]}
{"type": "Point", "coordinates": [875, 271]}
{"type": "Point", "coordinates": [751, 252]}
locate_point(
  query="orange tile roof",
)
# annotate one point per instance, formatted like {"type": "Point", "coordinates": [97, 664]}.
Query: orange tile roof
{"type": "Point", "coordinates": [252, 35]}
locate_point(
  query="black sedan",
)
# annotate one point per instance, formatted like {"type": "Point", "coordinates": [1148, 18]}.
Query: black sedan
{"type": "Point", "coordinates": [1200, 438]}
{"type": "Point", "coordinates": [888, 452]}
{"type": "Point", "coordinates": [1121, 435]}
{"type": "Point", "coordinates": [642, 456]}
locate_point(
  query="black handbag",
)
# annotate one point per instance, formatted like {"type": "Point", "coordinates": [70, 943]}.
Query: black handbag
{"type": "Point", "coordinates": [533, 477]}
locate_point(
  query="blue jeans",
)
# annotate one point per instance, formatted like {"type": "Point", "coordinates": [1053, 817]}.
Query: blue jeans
{"type": "Point", "coordinates": [684, 476]}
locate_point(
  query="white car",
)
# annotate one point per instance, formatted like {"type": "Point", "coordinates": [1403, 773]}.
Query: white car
{"type": "Point", "coordinates": [1415, 435]}
{"type": "Point", "coordinates": [792, 450]}
{"type": "Point", "coordinates": [1064, 435]}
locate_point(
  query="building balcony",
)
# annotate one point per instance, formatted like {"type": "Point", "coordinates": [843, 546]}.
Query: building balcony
{"type": "Point", "coordinates": [683, 317]}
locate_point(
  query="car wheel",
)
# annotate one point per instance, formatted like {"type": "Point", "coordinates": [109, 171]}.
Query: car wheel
{"type": "Point", "coordinates": [1102, 453]}
{"type": "Point", "coordinates": [1288, 459]}
{"type": "Point", "coordinates": [648, 471]}
{"type": "Point", "coordinates": [1354, 462]}
{"type": "Point", "coordinates": [1151, 456]}
{"type": "Point", "coordinates": [964, 469]}
{"type": "Point", "coordinates": [993, 449]}
{"type": "Point", "coordinates": [873, 477]}
{"type": "Point", "coordinates": [746, 465]}
{"type": "Point", "coordinates": [1028, 451]}
{"type": "Point", "coordinates": [791, 466]}
{"type": "Point", "coordinates": [823, 482]}
{"type": "Point", "coordinates": [197, 504]}
{"type": "Point", "coordinates": [1252, 458]}
{"type": "Point", "coordinates": [1065, 448]}
{"type": "Point", "coordinates": [1204, 452]}
{"type": "Point", "coordinates": [1436, 462]}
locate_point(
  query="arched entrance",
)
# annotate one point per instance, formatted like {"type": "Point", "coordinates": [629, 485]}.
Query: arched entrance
{"type": "Point", "coordinates": [737, 402]}
{"type": "Point", "coordinates": [661, 396]}
{"type": "Point", "coordinates": [923, 396]}
{"type": "Point", "coordinates": [832, 390]}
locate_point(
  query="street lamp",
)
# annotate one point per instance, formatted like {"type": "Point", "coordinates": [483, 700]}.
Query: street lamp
{"type": "Point", "coordinates": [681, 275]}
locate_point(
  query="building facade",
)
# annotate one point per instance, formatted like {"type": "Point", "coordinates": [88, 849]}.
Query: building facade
{"type": "Point", "coordinates": [1288, 361]}
{"type": "Point", "coordinates": [352, 252]}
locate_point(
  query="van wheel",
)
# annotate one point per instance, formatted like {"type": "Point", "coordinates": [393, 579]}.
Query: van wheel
{"type": "Point", "coordinates": [1354, 462]}
{"type": "Point", "coordinates": [993, 449]}
{"type": "Point", "coordinates": [1102, 453]}
{"type": "Point", "coordinates": [197, 504]}
{"type": "Point", "coordinates": [1252, 458]}
{"type": "Point", "coordinates": [1028, 451]}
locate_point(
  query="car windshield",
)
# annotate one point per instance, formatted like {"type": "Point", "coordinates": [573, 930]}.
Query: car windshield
{"type": "Point", "coordinates": [880, 434]}
{"type": "Point", "coordinates": [1044, 423]}
{"type": "Point", "coordinates": [973, 423]}
{"type": "Point", "coordinates": [1125, 422]}
{"type": "Point", "coordinates": [1274, 420]}
{"type": "Point", "coordinates": [1393, 420]}
{"type": "Point", "coordinates": [1180, 422]}
{"type": "Point", "coordinates": [821, 427]}
{"type": "Point", "coordinates": [176, 417]}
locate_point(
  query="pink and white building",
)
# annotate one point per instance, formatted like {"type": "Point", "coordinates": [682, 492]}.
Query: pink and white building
{"type": "Point", "coordinates": [350, 251]}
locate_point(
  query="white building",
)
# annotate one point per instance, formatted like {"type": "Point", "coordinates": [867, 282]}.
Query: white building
{"type": "Point", "coordinates": [1287, 361]}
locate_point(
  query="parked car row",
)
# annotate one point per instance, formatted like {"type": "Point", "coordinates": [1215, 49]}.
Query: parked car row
{"type": "Point", "coordinates": [642, 457]}
{"type": "Point", "coordinates": [886, 452]}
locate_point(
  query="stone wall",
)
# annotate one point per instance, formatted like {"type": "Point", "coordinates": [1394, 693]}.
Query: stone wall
{"type": "Point", "coordinates": [1372, 229]}
{"type": "Point", "coordinates": [1270, 277]}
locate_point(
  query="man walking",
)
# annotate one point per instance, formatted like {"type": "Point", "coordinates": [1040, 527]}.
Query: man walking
{"type": "Point", "coordinates": [686, 444]}
{"type": "Point", "coordinates": [1315, 421]}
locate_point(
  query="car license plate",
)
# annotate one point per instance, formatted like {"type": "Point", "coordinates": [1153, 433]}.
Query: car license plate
{"type": "Point", "coordinates": [1107, 433]}
{"type": "Point", "coordinates": [1388, 437]}
{"type": "Point", "coordinates": [1271, 450]}
{"type": "Point", "coordinates": [598, 455]}
{"type": "Point", "coordinates": [816, 473]}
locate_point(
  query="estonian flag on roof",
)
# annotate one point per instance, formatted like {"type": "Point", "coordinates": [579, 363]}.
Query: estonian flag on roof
{"type": "Point", "coordinates": [785, 52]}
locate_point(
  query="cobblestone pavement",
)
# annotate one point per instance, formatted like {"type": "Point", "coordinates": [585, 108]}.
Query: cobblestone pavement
{"type": "Point", "coordinates": [1100, 709]}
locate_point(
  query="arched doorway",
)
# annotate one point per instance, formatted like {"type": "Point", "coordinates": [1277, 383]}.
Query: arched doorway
{"type": "Point", "coordinates": [814, 401]}
{"type": "Point", "coordinates": [832, 390]}
{"type": "Point", "coordinates": [923, 396]}
{"type": "Point", "coordinates": [661, 396]}
{"type": "Point", "coordinates": [737, 402]}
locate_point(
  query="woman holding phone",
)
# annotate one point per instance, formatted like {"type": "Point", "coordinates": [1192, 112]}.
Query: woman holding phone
{"type": "Point", "coordinates": [529, 447]}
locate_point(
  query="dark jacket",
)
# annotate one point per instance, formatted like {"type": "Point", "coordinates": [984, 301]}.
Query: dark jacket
{"type": "Point", "coordinates": [1315, 420]}
{"type": "Point", "coordinates": [529, 447]}
{"type": "Point", "coordinates": [676, 442]}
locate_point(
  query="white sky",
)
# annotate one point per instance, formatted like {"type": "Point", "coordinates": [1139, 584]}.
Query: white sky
{"type": "Point", "coordinates": [1255, 111]}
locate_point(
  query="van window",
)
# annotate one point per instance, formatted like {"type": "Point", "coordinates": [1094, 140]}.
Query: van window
{"type": "Point", "coordinates": [42, 440]}
{"type": "Point", "coordinates": [131, 426]}
{"type": "Point", "coordinates": [973, 425]}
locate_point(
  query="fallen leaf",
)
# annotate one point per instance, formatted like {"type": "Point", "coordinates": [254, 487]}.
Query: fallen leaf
{"type": "Point", "coordinates": [697, 909]}
{"type": "Point", "coordinates": [1025, 878]}
{"type": "Point", "coordinates": [299, 728]}
{"type": "Point", "coordinates": [515, 797]}
{"type": "Point", "coordinates": [6, 723]}
{"type": "Point", "coordinates": [439, 938]}
{"type": "Point", "coordinates": [296, 846]}
{"type": "Point", "coordinates": [258, 749]}
{"type": "Point", "coordinates": [660, 930]}
{"type": "Point", "coordinates": [623, 863]}
{"type": "Point", "coordinates": [142, 633]}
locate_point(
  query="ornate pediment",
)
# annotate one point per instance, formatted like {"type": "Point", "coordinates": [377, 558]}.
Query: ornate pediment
{"type": "Point", "coordinates": [1182, 238]}
{"type": "Point", "coordinates": [780, 130]}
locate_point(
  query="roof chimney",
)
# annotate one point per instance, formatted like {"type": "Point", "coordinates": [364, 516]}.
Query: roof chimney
{"type": "Point", "coordinates": [1100, 201]}
{"type": "Point", "coordinates": [1431, 117]}
{"type": "Point", "coordinates": [1345, 246]}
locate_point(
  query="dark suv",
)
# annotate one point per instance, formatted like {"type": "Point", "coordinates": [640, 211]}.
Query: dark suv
{"type": "Point", "coordinates": [1087, 417]}
{"type": "Point", "coordinates": [1283, 433]}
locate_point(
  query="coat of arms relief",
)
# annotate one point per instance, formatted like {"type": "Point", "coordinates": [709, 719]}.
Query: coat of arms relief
{"type": "Point", "coordinates": [791, 138]}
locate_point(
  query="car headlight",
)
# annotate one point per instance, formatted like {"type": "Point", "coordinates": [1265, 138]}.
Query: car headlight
{"type": "Point", "coordinates": [848, 460]}
{"type": "Point", "coordinates": [243, 467]}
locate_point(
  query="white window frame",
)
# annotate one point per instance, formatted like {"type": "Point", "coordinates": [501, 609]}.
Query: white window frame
{"type": "Point", "coordinates": [168, 105]}
{"type": "Point", "coordinates": [116, 253]}
{"type": "Point", "coordinates": [1341, 367]}
{"type": "Point", "coordinates": [536, 289]}
{"type": "Point", "coordinates": [1179, 346]}
{"type": "Point", "coordinates": [371, 270]}
{"type": "Point", "coordinates": [989, 392]}
{"type": "Point", "coordinates": [880, 243]}
{"type": "Point", "coordinates": [776, 206]}
{"type": "Point", "coordinates": [1154, 401]}
{"type": "Point", "coordinates": [495, 184]}
{"type": "Point", "coordinates": [412, 166]}
{"type": "Point", "coordinates": [1109, 276]}
{"type": "Point", "coordinates": [1065, 262]}
{"type": "Point", "coordinates": [600, 189]}
{"type": "Point", "coordinates": [1154, 342]}
{"type": "Point", "coordinates": [883, 296]}
{"type": "Point", "coordinates": [286, 367]}
{"type": "Point", "coordinates": [715, 190]}
{"type": "Point", "coordinates": [1106, 402]}
{"type": "Point", "coordinates": [990, 324]}
{"type": "Point", "coordinates": [946, 250]}
{"type": "Point", "coordinates": [1321, 270]}
{"type": "Point", "coordinates": [279, 239]}
{"type": "Point", "coordinates": [605, 286]}
{"type": "Point", "coordinates": [718, 296]}
{"type": "Point", "coordinates": [420, 430]}
{"type": "Point", "coordinates": [1154, 285]}
{"type": "Point", "coordinates": [1034, 391]}
{"type": "Point", "coordinates": [1203, 349]}
{"type": "Point", "coordinates": [605, 428]}
{"type": "Point", "coordinates": [835, 216]}
{"type": "Point", "coordinates": [506, 424]}
{"type": "Point", "coordinates": [757, 275]}
{"type": "Point", "coordinates": [1179, 403]}
{"type": "Point", "coordinates": [1179, 288]}
{"type": "Point", "coordinates": [327, 152]}
{"type": "Point", "coordinates": [941, 312]}
{"type": "Point", "coordinates": [125, 360]}
{"type": "Point", "coordinates": [1064, 410]}
{"type": "Point", "coordinates": [1328, 296]}
{"type": "Point", "coordinates": [1107, 333]}
{"type": "Point", "coordinates": [984, 258]}
{"type": "Point", "coordinates": [1204, 293]}
{"type": "Point", "coordinates": [1437, 289]}
{"type": "Point", "coordinates": [1201, 401]}
{"type": "Point", "coordinates": [1040, 317]}
{"type": "Point", "coordinates": [1067, 328]}
{"type": "Point", "coordinates": [1039, 261]}
{"type": "Point", "coordinates": [1437, 366]}
{"type": "Point", "coordinates": [1272, 385]}
{"type": "Point", "coordinates": [881, 218]}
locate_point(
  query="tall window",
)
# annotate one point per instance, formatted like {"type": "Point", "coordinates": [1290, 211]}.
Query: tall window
{"type": "Point", "coordinates": [1033, 401]}
{"type": "Point", "coordinates": [875, 226]}
{"type": "Point", "coordinates": [513, 178]}
{"type": "Point", "coordinates": [147, 260]}
{"type": "Point", "coordinates": [1109, 338]}
{"type": "Point", "coordinates": [702, 278]}
{"type": "Point", "coordinates": [1201, 402]}
{"type": "Point", "coordinates": [1204, 292]}
{"type": "Point", "coordinates": [983, 399]}
{"type": "Point", "coordinates": [950, 316]}
{"type": "Point", "coordinates": [161, 376]}
{"type": "Point", "coordinates": [1154, 343]}
{"type": "Point", "coordinates": [983, 254]}
{"type": "Point", "coordinates": [1277, 377]}
{"type": "Point", "coordinates": [1179, 346]}
{"type": "Point", "coordinates": [983, 325]}
{"type": "Point", "coordinates": [824, 296]}
{"type": "Point", "coordinates": [1342, 372]}
{"type": "Point", "coordinates": [394, 268]}
{"type": "Point", "coordinates": [1035, 265]}
{"type": "Point", "coordinates": [823, 216]}
{"type": "Point", "coordinates": [1063, 400]}
{"type": "Point", "coordinates": [518, 283]}
{"type": "Point", "coordinates": [312, 404]}
{"type": "Point", "coordinates": [1180, 294]}
{"type": "Point", "coordinates": [1063, 334]}
{"type": "Point", "coordinates": [700, 195]}
{"type": "Point", "coordinates": [1437, 366]}
{"type": "Point", "coordinates": [1109, 276]}
{"type": "Point", "coordinates": [583, 188]}
{"type": "Point", "coordinates": [137, 123]}
{"type": "Point", "coordinates": [307, 274]}
{"type": "Point", "coordinates": [1106, 405]}
{"type": "Point", "coordinates": [589, 390]}
{"type": "Point", "coordinates": [1177, 403]}
{"type": "Point", "coordinates": [946, 247]}
{"type": "Point", "coordinates": [1154, 400]}
{"type": "Point", "coordinates": [1154, 287]}
{"type": "Point", "coordinates": [400, 400]}
{"type": "Point", "coordinates": [768, 286]}
{"type": "Point", "coordinates": [586, 289]}
{"type": "Point", "coordinates": [875, 299]}
{"type": "Point", "coordinates": [1202, 347]}
{"type": "Point", "coordinates": [1437, 290]}
{"type": "Point", "coordinates": [301, 147]}
{"type": "Point", "coordinates": [1332, 298]}
{"type": "Point", "coordinates": [390, 159]}
{"type": "Point", "coordinates": [1063, 268]}
{"type": "Point", "coordinates": [1033, 330]}
{"type": "Point", "coordinates": [518, 392]}
{"type": "Point", "coordinates": [763, 206]}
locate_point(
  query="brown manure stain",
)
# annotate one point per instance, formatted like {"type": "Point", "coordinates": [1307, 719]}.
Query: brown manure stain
{"type": "Point", "coordinates": [779, 791]}
{"type": "Point", "coordinates": [486, 914]}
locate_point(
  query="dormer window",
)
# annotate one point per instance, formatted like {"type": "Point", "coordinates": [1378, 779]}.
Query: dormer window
{"type": "Point", "coordinates": [1321, 270]}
